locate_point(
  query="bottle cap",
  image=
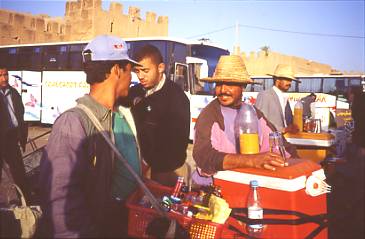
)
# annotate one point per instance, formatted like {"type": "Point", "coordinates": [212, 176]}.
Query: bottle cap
{"type": "Point", "coordinates": [254, 183]}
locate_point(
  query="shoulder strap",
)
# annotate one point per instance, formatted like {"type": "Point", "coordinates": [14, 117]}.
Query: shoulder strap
{"type": "Point", "coordinates": [19, 191]}
{"type": "Point", "coordinates": [102, 131]}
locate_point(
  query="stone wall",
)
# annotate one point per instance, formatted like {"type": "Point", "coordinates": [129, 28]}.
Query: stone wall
{"type": "Point", "coordinates": [83, 20]}
{"type": "Point", "coordinates": [264, 62]}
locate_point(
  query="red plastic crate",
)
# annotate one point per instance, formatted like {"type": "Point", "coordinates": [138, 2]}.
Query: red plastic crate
{"type": "Point", "coordinates": [140, 217]}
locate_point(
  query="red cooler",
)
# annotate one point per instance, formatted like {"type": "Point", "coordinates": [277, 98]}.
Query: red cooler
{"type": "Point", "coordinates": [294, 203]}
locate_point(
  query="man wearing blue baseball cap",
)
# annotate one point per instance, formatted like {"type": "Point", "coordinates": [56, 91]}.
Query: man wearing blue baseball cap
{"type": "Point", "coordinates": [79, 176]}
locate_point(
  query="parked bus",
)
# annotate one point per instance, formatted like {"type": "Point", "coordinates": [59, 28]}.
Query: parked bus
{"type": "Point", "coordinates": [329, 84]}
{"type": "Point", "coordinates": [329, 89]}
{"type": "Point", "coordinates": [50, 77]}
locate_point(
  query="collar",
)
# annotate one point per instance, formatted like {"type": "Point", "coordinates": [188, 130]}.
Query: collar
{"type": "Point", "coordinates": [100, 111]}
{"type": "Point", "coordinates": [5, 91]}
{"type": "Point", "coordinates": [157, 87]}
{"type": "Point", "coordinates": [278, 92]}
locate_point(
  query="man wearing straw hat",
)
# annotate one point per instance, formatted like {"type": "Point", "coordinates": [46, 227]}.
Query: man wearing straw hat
{"type": "Point", "coordinates": [274, 104]}
{"type": "Point", "coordinates": [214, 143]}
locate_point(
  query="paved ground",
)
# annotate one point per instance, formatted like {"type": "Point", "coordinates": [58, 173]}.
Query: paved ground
{"type": "Point", "coordinates": [345, 203]}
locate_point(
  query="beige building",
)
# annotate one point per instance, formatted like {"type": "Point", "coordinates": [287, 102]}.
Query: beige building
{"type": "Point", "coordinates": [83, 20]}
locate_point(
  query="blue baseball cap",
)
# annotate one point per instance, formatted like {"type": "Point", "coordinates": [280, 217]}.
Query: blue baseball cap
{"type": "Point", "coordinates": [107, 48]}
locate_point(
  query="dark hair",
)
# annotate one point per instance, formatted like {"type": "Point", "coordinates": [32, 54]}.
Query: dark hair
{"type": "Point", "coordinates": [96, 70]}
{"type": "Point", "coordinates": [148, 51]}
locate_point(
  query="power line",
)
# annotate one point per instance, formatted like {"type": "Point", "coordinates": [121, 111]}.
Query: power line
{"type": "Point", "coordinates": [208, 33]}
{"type": "Point", "coordinates": [302, 33]}
{"type": "Point", "coordinates": [279, 30]}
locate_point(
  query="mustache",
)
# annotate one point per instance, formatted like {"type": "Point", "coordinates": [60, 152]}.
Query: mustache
{"type": "Point", "coordinates": [224, 94]}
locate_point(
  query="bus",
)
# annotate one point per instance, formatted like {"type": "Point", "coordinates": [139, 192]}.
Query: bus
{"type": "Point", "coordinates": [333, 85]}
{"type": "Point", "coordinates": [317, 83]}
{"type": "Point", "coordinates": [49, 76]}
{"type": "Point", "coordinates": [330, 91]}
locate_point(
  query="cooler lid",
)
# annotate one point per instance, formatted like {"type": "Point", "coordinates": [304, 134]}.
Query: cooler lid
{"type": "Point", "coordinates": [290, 178]}
{"type": "Point", "coordinates": [308, 135]}
{"type": "Point", "coordinates": [312, 139]}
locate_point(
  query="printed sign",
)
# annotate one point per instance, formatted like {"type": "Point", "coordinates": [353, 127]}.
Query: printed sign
{"type": "Point", "coordinates": [31, 95]}
{"type": "Point", "coordinates": [60, 91]}
{"type": "Point", "coordinates": [15, 80]}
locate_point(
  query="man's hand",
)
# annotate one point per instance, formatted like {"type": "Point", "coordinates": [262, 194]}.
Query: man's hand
{"type": "Point", "coordinates": [264, 160]}
{"type": "Point", "coordinates": [267, 160]}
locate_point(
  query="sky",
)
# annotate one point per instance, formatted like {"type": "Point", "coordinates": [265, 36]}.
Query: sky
{"type": "Point", "coordinates": [329, 32]}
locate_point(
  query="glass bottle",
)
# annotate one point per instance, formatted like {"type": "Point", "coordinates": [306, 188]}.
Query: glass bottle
{"type": "Point", "coordinates": [298, 115]}
{"type": "Point", "coordinates": [254, 208]}
{"type": "Point", "coordinates": [246, 128]}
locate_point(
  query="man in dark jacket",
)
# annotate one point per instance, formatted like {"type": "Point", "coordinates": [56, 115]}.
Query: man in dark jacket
{"type": "Point", "coordinates": [162, 114]}
{"type": "Point", "coordinates": [307, 101]}
{"type": "Point", "coordinates": [76, 171]}
{"type": "Point", "coordinates": [13, 131]}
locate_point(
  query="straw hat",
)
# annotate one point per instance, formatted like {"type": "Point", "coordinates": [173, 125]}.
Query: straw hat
{"type": "Point", "coordinates": [284, 71]}
{"type": "Point", "coordinates": [230, 69]}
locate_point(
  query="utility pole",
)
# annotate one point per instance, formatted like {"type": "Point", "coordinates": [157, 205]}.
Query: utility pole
{"type": "Point", "coordinates": [236, 47]}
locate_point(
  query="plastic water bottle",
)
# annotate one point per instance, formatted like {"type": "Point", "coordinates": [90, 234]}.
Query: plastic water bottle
{"type": "Point", "coordinates": [298, 115]}
{"type": "Point", "coordinates": [246, 129]}
{"type": "Point", "coordinates": [254, 208]}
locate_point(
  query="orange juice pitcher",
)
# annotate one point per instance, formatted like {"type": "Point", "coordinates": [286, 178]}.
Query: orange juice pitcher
{"type": "Point", "coordinates": [298, 115]}
{"type": "Point", "coordinates": [246, 128]}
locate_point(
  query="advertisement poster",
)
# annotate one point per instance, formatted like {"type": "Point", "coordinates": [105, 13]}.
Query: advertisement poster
{"type": "Point", "coordinates": [60, 91]}
{"type": "Point", "coordinates": [31, 95]}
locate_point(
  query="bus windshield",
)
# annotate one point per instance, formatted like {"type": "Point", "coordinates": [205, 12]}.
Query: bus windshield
{"type": "Point", "coordinates": [211, 55]}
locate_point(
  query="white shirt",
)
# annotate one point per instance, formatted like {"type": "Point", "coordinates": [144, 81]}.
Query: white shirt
{"type": "Point", "coordinates": [157, 87]}
{"type": "Point", "coordinates": [282, 99]}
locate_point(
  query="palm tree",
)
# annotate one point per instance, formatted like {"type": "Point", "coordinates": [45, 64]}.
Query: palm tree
{"type": "Point", "coordinates": [265, 49]}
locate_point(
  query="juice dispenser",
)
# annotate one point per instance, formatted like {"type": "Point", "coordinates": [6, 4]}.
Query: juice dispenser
{"type": "Point", "coordinates": [298, 115]}
{"type": "Point", "coordinates": [246, 128]}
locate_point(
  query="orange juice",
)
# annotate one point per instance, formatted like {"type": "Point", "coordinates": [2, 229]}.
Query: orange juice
{"type": "Point", "coordinates": [249, 143]}
{"type": "Point", "coordinates": [298, 118]}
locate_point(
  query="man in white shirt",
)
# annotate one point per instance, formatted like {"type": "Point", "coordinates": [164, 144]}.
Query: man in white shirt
{"type": "Point", "coordinates": [274, 104]}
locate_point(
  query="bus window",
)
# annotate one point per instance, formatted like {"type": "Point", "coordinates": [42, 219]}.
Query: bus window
{"type": "Point", "coordinates": [268, 83]}
{"type": "Point", "coordinates": [181, 76]}
{"type": "Point", "coordinates": [179, 52]}
{"type": "Point", "coordinates": [30, 58]}
{"type": "Point", "coordinates": [257, 87]}
{"type": "Point", "coordinates": [210, 54]}
{"type": "Point", "coordinates": [55, 57]}
{"type": "Point", "coordinates": [4, 57]}
{"type": "Point", "coordinates": [329, 85]}
{"type": "Point", "coordinates": [199, 71]}
{"type": "Point", "coordinates": [354, 81]}
{"type": "Point", "coordinates": [8, 58]}
{"type": "Point", "coordinates": [75, 57]}
{"type": "Point", "coordinates": [37, 58]}
{"type": "Point", "coordinates": [310, 85]}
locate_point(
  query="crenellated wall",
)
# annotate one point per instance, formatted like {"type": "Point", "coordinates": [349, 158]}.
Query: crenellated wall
{"type": "Point", "coordinates": [83, 20]}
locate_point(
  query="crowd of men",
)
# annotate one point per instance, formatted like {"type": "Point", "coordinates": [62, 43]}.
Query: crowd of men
{"type": "Point", "coordinates": [84, 186]}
